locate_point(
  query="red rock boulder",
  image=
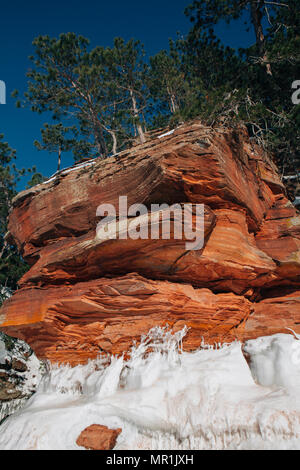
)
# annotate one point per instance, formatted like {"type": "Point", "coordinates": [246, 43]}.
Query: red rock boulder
{"type": "Point", "coordinates": [97, 437]}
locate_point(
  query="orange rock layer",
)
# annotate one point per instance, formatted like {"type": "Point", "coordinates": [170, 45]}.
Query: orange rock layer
{"type": "Point", "coordinates": [84, 295]}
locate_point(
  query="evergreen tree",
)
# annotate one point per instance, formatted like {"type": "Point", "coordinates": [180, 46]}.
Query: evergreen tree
{"type": "Point", "coordinates": [128, 72]}
{"type": "Point", "coordinates": [71, 82]}
{"type": "Point", "coordinates": [111, 95]}
{"type": "Point", "coordinates": [12, 267]}
{"type": "Point", "coordinates": [206, 13]}
{"type": "Point", "coordinates": [166, 79]}
{"type": "Point", "coordinates": [54, 140]}
{"type": "Point", "coordinates": [37, 178]}
{"type": "Point", "coordinates": [210, 73]}
{"type": "Point", "coordinates": [248, 94]}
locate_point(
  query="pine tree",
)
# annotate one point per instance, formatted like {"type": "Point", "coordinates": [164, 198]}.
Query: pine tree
{"type": "Point", "coordinates": [207, 13]}
{"type": "Point", "coordinates": [73, 84]}
{"type": "Point", "coordinates": [256, 88]}
{"type": "Point", "coordinates": [55, 140]}
{"type": "Point", "coordinates": [12, 267]}
{"type": "Point", "coordinates": [37, 178]}
{"type": "Point", "coordinates": [166, 79]}
{"type": "Point", "coordinates": [128, 72]}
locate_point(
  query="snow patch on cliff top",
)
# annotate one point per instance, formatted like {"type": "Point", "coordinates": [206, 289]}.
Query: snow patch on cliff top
{"type": "Point", "coordinates": [166, 134]}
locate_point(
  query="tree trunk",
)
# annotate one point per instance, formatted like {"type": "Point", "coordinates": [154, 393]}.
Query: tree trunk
{"type": "Point", "coordinates": [256, 16]}
{"type": "Point", "coordinates": [136, 115]}
{"type": "Point", "coordinates": [100, 141]}
{"type": "Point", "coordinates": [172, 101]}
{"type": "Point", "coordinates": [5, 244]}
{"type": "Point", "coordinates": [115, 142]}
{"type": "Point", "coordinates": [59, 159]}
{"type": "Point", "coordinates": [98, 133]}
{"type": "Point", "coordinates": [113, 133]}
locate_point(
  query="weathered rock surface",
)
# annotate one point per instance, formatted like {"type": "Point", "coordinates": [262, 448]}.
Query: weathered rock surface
{"type": "Point", "coordinates": [20, 373]}
{"type": "Point", "coordinates": [279, 237]}
{"type": "Point", "coordinates": [274, 315]}
{"type": "Point", "coordinates": [219, 169]}
{"type": "Point", "coordinates": [97, 437]}
{"type": "Point", "coordinates": [84, 295]}
{"type": "Point", "coordinates": [90, 257]}
{"type": "Point", "coordinates": [74, 323]}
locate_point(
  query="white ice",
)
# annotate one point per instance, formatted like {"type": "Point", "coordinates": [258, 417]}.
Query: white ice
{"type": "Point", "coordinates": [297, 201]}
{"type": "Point", "coordinates": [3, 352]}
{"type": "Point", "coordinates": [166, 134]}
{"type": "Point", "coordinates": [65, 171]}
{"type": "Point", "coordinates": [164, 398]}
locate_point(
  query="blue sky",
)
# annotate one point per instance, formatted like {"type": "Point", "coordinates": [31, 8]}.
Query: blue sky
{"type": "Point", "coordinates": [20, 22]}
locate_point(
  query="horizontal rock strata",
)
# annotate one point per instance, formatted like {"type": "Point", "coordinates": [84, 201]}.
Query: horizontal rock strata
{"type": "Point", "coordinates": [85, 294]}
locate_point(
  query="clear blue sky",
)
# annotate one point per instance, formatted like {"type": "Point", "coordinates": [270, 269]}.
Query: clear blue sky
{"type": "Point", "coordinates": [21, 21]}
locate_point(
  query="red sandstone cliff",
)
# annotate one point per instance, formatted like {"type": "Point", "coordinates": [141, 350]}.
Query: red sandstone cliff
{"type": "Point", "coordinates": [83, 295]}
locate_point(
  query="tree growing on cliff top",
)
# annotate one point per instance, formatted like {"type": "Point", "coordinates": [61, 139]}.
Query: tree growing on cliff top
{"type": "Point", "coordinates": [207, 13]}
{"type": "Point", "coordinates": [66, 80]}
{"type": "Point", "coordinates": [112, 95]}
{"type": "Point", "coordinates": [128, 72]}
{"type": "Point", "coordinates": [55, 140]}
{"type": "Point", "coordinates": [256, 88]}
{"type": "Point", "coordinates": [101, 91]}
{"type": "Point", "coordinates": [166, 78]}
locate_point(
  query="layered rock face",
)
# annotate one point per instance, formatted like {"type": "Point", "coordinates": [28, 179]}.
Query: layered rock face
{"type": "Point", "coordinates": [86, 295]}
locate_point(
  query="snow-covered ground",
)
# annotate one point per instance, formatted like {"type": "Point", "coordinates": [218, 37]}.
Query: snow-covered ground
{"type": "Point", "coordinates": [167, 399]}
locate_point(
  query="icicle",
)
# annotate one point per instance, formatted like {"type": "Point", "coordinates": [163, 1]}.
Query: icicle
{"type": "Point", "coordinates": [165, 398]}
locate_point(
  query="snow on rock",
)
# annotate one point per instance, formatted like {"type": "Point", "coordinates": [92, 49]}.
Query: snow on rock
{"type": "Point", "coordinates": [164, 398]}
{"type": "Point", "coordinates": [275, 360]}
{"type": "Point", "coordinates": [291, 177]}
{"type": "Point", "coordinates": [5, 293]}
{"type": "Point", "coordinates": [297, 201]}
{"type": "Point", "coordinates": [166, 134]}
{"type": "Point", "coordinates": [69, 170]}
{"type": "Point", "coordinates": [20, 374]}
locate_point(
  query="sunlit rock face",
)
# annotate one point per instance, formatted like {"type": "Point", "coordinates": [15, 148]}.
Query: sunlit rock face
{"type": "Point", "coordinates": [83, 296]}
{"type": "Point", "coordinates": [75, 323]}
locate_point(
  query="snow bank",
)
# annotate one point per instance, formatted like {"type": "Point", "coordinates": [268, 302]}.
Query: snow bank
{"type": "Point", "coordinates": [275, 360]}
{"type": "Point", "coordinates": [164, 398]}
